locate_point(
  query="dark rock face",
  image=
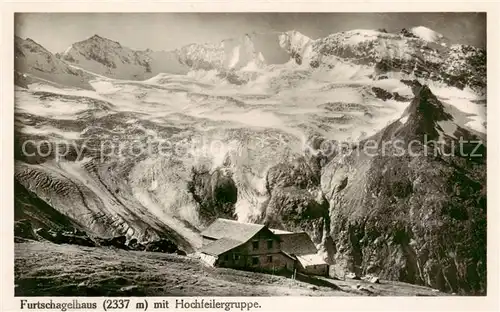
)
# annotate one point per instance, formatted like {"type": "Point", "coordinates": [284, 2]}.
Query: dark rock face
{"type": "Point", "coordinates": [133, 244]}
{"type": "Point", "coordinates": [65, 237]}
{"type": "Point", "coordinates": [296, 209]}
{"type": "Point", "coordinates": [28, 206]}
{"type": "Point", "coordinates": [298, 174]}
{"type": "Point", "coordinates": [82, 240]}
{"type": "Point", "coordinates": [472, 71]}
{"type": "Point", "coordinates": [23, 229]}
{"type": "Point", "coordinates": [33, 212]}
{"type": "Point", "coordinates": [21, 80]}
{"type": "Point", "coordinates": [117, 242]}
{"type": "Point", "coordinates": [386, 95]}
{"type": "Point", "coordinates": [405, 32]}
{"type": "Point", "coordinates": [162, 245]}
{"type": "Point", "coordinates": [215, 192]}
{"type": "Point", "coordinates": [418, 234]}
{"type": "Point", "coordinates": [45, 234]}
{"type": "Point", "coordinates": [381, 93]}
{"type": "Point", "coordinates": [37, 220]}
{"type": "Point", "coordinates": [296, 202]}
{"type": "Point", "coordinates": [460, 65]}
{"type": "Point", "coordinates": [417, 218]}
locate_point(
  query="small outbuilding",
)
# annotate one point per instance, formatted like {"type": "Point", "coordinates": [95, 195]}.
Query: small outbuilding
{"type": "Point", "coordinates": [301, 247]}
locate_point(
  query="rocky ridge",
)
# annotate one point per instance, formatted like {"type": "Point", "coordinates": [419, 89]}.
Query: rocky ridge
{"type": "Point", "coordinates": [427, 56]}
{"type": "Point", "coordinates": [415, 215]}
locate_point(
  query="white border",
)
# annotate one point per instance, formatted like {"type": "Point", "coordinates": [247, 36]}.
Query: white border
{"type": "Point", "coordinates": [487, 303]}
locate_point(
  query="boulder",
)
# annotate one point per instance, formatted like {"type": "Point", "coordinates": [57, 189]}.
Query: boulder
{"type": "Point", "coordinates": [133, 244]}
{"type": "Point", "coordinates": [82, 240]}
{"type": "Point", "coordinates": [47, 235]}
{"type": "Point", "coordinates": [162, 245]}
{"type": "Point", "coordinates": [405, 32]}
{"type": "Point", "coordinates": [375, 280]}
{"type": "Point", "coordinates": [24, 229]}
{"type": "Point", "coordinates": [353, 276]}
{"type": "Point", "coordinates": [65, 237]}
{"type": "Point", "coordinates": [117, 242]}
{"type": "Point", "coordinates": [131, 290]}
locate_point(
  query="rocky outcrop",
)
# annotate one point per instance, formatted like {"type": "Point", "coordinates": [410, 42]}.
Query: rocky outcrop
{"type": "Point", "coordinates": [21, 80]}
{"type": "Point", "coordinates": [405, 32]}
{"type": "Point", "coordinates": [134, 244]}
{"type": "Point", "coordinates": [65, 237]}
{"type": "Point", "coordinates": [296, 202]}
{"type": "Point", "coordinates": [417, 217]}
{"type": "Point", "coordinates": [386, 95]}
{"type": "Point", "coordinates": [36, 220]}
{"type": "Point", "coordinates": [30, 212]}
{"type": "Point", "coordinates": [215, 192]}
{"type": "Point", "coordinates": [117, 242]}
{"type": "Point", "coordinates": [24, 230]}
{"type": "Point", "coordinates": [162, 245]}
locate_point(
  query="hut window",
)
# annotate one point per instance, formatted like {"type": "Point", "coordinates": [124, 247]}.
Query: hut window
{"type": "Point", "coordinates": [226, 257]}
{"type": "Point", "coordinates": [269, 259]}
{"type": "Point", "coordinates": [270, 244]}
{"type": "Point", "coordinates": [255, 260]}
{"type": "Point", "coordinates": [236, 257]}
{"type": "Point", "coordinates": [255, 245]}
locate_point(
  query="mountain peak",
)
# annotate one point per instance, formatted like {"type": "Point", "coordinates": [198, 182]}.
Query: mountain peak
{"type": "Point", "coordinates": [427, 105]}
{"type": "Point", "coordinates": [100, 39]}
{"type": "Point", "coordinates": [423, 119]}
{"type": "Point", "coordinates": [96, 37]}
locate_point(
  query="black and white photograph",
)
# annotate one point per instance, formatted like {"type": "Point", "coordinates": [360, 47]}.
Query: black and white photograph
{"type": "Point", "coordinates": [246, 154]}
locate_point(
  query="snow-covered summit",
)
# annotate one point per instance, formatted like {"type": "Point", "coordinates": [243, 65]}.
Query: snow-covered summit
{"type": "Point", "coordinates": [253, 50]}
{"type": "Point", "coordinates": [426, 34]}
{"type": "Point", "coordinates": [417, 52]}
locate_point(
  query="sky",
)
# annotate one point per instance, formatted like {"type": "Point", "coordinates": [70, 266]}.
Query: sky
{"type": "Point", "coordinates": [168, 31]}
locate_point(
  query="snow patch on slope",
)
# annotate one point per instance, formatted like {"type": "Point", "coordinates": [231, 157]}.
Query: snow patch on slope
{"type": "Point", "coordinates": [466, 101]}
{"type": "Point", "coordinates": [235, 57]}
